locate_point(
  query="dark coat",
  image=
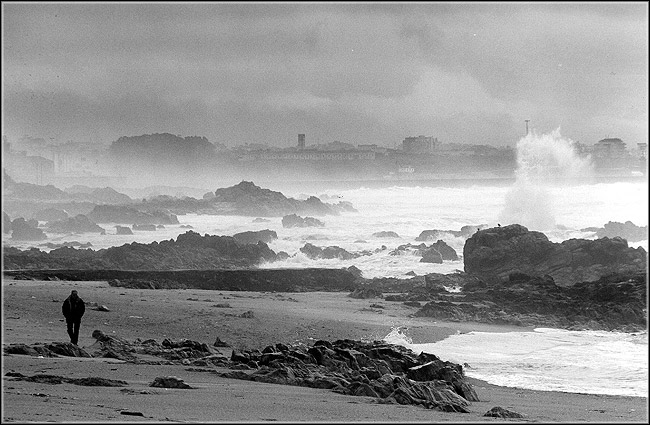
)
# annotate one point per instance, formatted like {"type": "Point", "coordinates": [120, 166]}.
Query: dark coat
{"type": "Point", "coordinates": [73, 308]}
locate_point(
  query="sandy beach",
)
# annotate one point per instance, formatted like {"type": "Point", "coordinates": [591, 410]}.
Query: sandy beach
{"type": "Point", "coordinates": [32, 314]}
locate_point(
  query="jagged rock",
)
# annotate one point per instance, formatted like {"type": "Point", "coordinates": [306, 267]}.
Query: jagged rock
{"type": "Point", "coordinates": [169, 382]}
{"type": "Point", "coordinates": [293, 220]}
{"type": "Point", "coordinates": [493, 254]}
{"type": "Point", "coordinates": [446, 252]}
{"type": "Point", "coordinates": [371, 369]}
{"type": "Point", "coordinates": [500, 412]}
{"type": "Point", "coordinates": [251, 237]}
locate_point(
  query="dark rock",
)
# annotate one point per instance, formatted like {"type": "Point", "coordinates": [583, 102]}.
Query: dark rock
{"type": "Point", "coordinates": [493, 254]}
{"type": "Point", "coordinates": [365, 292]}
{"type": "Point", "coordinates": [446, 252]}
{"type": "Point", "coordinates": [500, 412]}
{"type": "Point", "coordinates": [435, 234]}
{"type": "Point", "coordinates": [169, 382]}
{"type": "Point", "coordinates": [431, 255]}
{"type": "Point", "coordinates": [251, 237]}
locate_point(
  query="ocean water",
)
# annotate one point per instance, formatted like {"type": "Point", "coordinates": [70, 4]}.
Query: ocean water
{"type": "Point", "coordinates": [589, 362]}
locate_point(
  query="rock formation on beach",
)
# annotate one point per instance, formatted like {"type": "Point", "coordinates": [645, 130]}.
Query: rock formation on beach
{"type": "Point", "coordinates": [389, 373]}
{"type": "Point", "coordinates": [494, 254]}
{"type": "Point", "coordinates": [435, 234]}
{"type": "Point", "coordinates": [26, 230]}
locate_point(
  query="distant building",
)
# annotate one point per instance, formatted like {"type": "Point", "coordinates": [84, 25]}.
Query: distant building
{"type": "Point", "coordinates": [419, 144]}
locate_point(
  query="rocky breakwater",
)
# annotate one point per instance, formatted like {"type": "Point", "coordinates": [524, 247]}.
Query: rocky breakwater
{"type": "Point", "coordinates": [389, 373]}
{"type": "Point", "coordinates": [494, 254]}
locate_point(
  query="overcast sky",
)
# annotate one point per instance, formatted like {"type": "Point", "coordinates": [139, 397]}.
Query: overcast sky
{"type": "Point", "coordinates": [355, 72]}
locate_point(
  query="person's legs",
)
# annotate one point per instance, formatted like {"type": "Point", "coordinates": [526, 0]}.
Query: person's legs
{"type": "Point", "coordinates": [75, 332]}
{"type": "Point", "coordinates": [70, 324]}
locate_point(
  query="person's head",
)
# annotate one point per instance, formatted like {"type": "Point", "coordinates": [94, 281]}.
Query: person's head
{"type": "Point", "coordinates": [74, 294]}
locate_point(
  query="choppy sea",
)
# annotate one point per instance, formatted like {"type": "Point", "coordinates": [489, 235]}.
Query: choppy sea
{"type": "Point", "coordinates": [546, 359]}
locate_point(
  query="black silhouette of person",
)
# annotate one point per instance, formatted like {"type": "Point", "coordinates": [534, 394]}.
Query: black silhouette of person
{"type": "Point", "coordinates": [73, 309]}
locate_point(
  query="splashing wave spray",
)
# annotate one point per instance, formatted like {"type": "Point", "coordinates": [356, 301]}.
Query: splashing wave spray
{"type": "Point", "coordinates": [542, 160]}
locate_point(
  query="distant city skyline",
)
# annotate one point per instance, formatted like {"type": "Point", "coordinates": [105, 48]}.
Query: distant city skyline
{"type": "Point", "coordinates": [358, 73]}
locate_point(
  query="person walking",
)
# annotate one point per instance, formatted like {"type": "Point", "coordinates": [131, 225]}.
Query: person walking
{"type": "Point", "coordinates": [73, 309]}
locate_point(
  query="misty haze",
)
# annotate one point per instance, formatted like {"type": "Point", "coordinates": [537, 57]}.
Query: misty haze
{"type": "Point", "coordinates": [325, 211]}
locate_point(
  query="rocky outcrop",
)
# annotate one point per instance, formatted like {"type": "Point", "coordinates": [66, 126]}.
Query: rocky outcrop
{"type": "Point", "coordinates": [389, 373]}
{"type": "Point", "coordinates": [106, 195]}
{"type": "Point", "coordinates": [248, 199]}
{"type": "Point", "coordinates": [435, 253]}
{"type": "Point", "coordinates": [251, 237]}
{"type": "Point", "coordinates": [77, 224]}
{"type": "Point", "coordinates": [628, 231]}
{"type": "Point", "coordinates": [189, 251]}
{"type": "Point", "coordinates": [496, 253]}
{"type": "Point", "coordinates": [615, 302]}
{"type": "Point", "coordinates": [293, 220]}
{"type": "Point", "coordinates": [435, 234]}
{"type": "Point", "coordinates": [130, 215]}
{"type": "Point", "coordinates": [315, 252]}
{"type": "Point", "coordinates": [23, 230]}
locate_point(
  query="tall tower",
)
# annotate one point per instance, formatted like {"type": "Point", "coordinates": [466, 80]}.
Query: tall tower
{"type": "Point", "coordinates": [301, 141]}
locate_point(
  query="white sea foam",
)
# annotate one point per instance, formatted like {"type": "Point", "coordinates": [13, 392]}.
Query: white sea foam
{"type": "Point", "coordinates": [591, 362]}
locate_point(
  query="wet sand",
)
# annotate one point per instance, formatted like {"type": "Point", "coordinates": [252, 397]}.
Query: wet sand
{"type": "Point", "coordinates": [32, 314]}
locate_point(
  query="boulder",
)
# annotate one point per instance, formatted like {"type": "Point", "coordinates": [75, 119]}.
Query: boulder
{"type": "Point", "coordinates": [169, 382]}
{"type": "Point", "coordinates": [494, 254]}
{"type": "Point", "coordinates": [431, 255]}
{"type": "Point", "coordinates": [500, 412]}
{"type": "Point", "coordinates": [145, 227]}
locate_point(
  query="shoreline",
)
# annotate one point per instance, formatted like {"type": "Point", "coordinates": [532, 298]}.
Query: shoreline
{"type": "Point", "coordinates": [31, 314]}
